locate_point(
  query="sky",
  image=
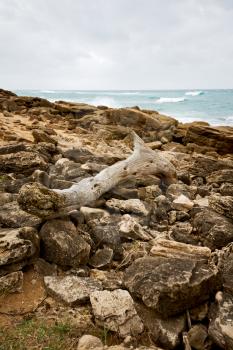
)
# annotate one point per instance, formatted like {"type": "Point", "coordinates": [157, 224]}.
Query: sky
{"type": "Point", "coordinates": [116, 44]}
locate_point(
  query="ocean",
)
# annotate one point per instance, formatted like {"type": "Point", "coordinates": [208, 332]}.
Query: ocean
{"type": "Point", "coordinates": [212, 106]}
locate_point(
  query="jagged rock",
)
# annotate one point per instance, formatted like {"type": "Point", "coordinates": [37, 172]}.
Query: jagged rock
{"type": "Point", "coordinates": [63, 244]}
{"type": "Point", "coordinates": [17, 245]}
{"type": "Point", "coordinates": [69, 169]}
{"type": "Point", "coordinates": [131, 229]}
{"type": "Point", "coordinates": [22, 162]}
{"type": "Point", "coordinates": [226, 189]}
{"type": "Point", "coordinates": [12, 216]}
{"type": "Point", "coordinates": [79, 155]}
{"type": "Point", "coordinates": [203, 165]}
{"type": "Point", "coordinates": [182, 232]}
{"type": "Point", "coordinates": [212, 229]}
{"type": "Point", "coordinates": [177, 277]}
{"type": "Point", "coordinates": [149, 192]}
{"type": "Point", "coordinates": [42, 136]}
{"type": "Point", "coordinates": [221, 176]}
{"type": "Point", "coordinates": [164, 331]}
{"type": "Point", "coordinates": [198, 337]}
{"type": "Point", "coordinates": [115, 310]}
{"type": "Point", "coordinates": [222, 205]}
{"type": "Point", "coordinates": [89, 342]}
{"type": "Point", "coordinates": [102, 257]}
{"type": "Point", "coordinates": [93, 213]}
{"type": "Point", "coordinates": [221, 138]}
{"type": "Point", "coordinates": [11, 283]}
{"type": "Point", "coordinates": [182, 203]}
{"type": "Point", "coordinates": [71, 290]}
{"type": "Point", "coordinates": [176, 190]}
{"type": "Point", "coordinates": [134, 206]}
{"type": "Point", "coordinates": [225, 265]}
{"type": "Point", "coordinates": [221, 321]}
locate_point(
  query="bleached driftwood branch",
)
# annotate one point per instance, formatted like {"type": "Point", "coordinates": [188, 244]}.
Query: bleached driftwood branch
{"type": "Point", "coordinates": [41, 201]}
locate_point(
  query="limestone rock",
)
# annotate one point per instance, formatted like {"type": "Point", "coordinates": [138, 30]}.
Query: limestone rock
{"type": "Point", "coordinates": [182, 203]}
{"type": "Point", "coordinates": [102, 257]}
{"type": "Point", "coordinates": [71, 290]}
{"type": "Point", "coordinates": [89, 342]}
{"type": "Point", "coordinates": [222, 205]}
{"type": "Point", "coordinates": [42, 136]}
{"type": "Point", "coordinates": [221, 324]}
{"type": "Point", "coordinates": [171, 284]}
{"type": "Point", "coordinates": [93, 213]}
{"type": "Point", "coordinates": [11, 283]}
{"type": "Point", "coordinates": [131, 229]}
{"type": "Point", "coordinates": [17, 245]}
{"type": "Point", "coordinates": [12, 216]}
{"type": "Point", "coordinates": [115, 310]}
{"type": "Point", "coordinates": [110, 279]}
{"type": "Point", "coordinates": [63, 244]}
{"type": "Point", "coordinates": [198, 337]}
{"type": "Point", "coordinates": [221, 176]}
{"type": "Point", "coordinates": [134, 206]}
{"type": "Point", "coordinates": [6, 198]}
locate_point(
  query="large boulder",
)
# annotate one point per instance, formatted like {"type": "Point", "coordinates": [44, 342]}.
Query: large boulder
{"type": "Point", "coordinates": [115, 310]}
{"type": "Point", "coordinates": [177, 277]}
{"type": "Point", "coordinates": [63, 244]}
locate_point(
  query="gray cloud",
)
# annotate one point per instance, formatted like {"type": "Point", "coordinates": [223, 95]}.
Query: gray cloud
{"type": "Point", "coordinates": [116, 44]}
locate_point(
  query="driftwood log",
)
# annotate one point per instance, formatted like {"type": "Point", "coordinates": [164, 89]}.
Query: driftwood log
{"type": "Point", "coordinates": [44, 202]}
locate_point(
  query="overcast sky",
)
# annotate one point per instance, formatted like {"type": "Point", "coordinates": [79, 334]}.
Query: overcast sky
{"type": "Point", "coordinates": [116, 44]}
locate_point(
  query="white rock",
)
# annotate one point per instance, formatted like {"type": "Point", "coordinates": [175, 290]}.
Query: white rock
{"type": "Point", "coordinates": [182, 203]}
{"type": "Point", "coordinates": [134, 206]}
{"type": "Point", "coordinates": [89, 342]}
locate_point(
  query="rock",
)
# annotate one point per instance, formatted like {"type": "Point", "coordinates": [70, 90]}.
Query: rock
{"type": "Point", "coordinates": [222, 205]}
{"type": "Point", "coordinates": [22, 162]}
{"type": "Point", "coordinates": [182, 203]}
{"type": "Point", "coordinates": [11, 283]}
{"type": "Point", "coordinates": [221, 176]}
{"type": "Point", "coordinates": [62, 243]}
{"type": "Point", "coordinates": [177, 277]}
{"type": "Point", "coordinates": [134, 206]}
{"type": "Point", "coordinates": [226, 189]}
{"type": "Point", "coordinates": [12, 216]}
{"type": "Point", "coordinates": [221, 138]}
{"type": "Point", "coordinates": [182, 232]}
{"type": "Point", "coordinates": [102, 257]}
{"type": "Point", "coordinates": [203, 165]}
{"type": "Point", "coordinates": [6, 198]}
{"type": "Point", "coordinates": [17, 245]}
{"type": "Point", "coordinates": [163, 331]}
{"type": "Point", "coordinates": [115, 310]}
{"type": "Point", "coordinates": [129, 228]}
{"type": "Point", "coordinates": [221, 321]}
{"type": "Point", "coordinates": [89, 342]}
{"type": "Point", "coordinates": [69, 169]}
{"type": "Point", "coordinates": [149, 192]}
{"type": "Point", "coordinates": [71, 290]}
{"type": "Point", "coordinates": [93, 213]}
{"type": "Point", "coordinates": [176, 190]}
{"type": "Point", "coordinates": [197, 337]}
{"type": "Point", "coordinates": [42, 136]}
{"type": "Point", "coordinates": [199, 313]}
{"type": "Point", "coordinates": [225, 265]}
{"type": "Point", "coordinates": [110, 279]}
{"type": "Point", "coordinates": [212, 229]}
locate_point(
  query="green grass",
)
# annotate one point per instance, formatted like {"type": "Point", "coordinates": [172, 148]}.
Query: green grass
{"type": "Point", "coordinates": [32, 334]}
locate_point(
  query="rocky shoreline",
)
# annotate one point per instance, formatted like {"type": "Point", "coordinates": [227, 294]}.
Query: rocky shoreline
{"type": "Point", "coordinates": [148, 262]}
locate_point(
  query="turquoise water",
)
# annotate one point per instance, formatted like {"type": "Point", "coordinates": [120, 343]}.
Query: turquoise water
{"type": "Point", "coordinates": [213, 106]}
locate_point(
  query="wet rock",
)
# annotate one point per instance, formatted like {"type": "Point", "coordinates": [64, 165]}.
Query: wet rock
{"type": "Point", "coordinates": [134, 206]}
{"type": "Point", "coordinates": [12, 216]}
{"type": "Point", "coordinates": [11, 283]}
{"type": "Point", "coordinates": [71, 290]}
{"type": "Point", "coordinates": [213, 230]}
{"type": "Point", "coordinates": [22, 162]}
{"type": "Point", "coordinates": [222, 205]}
{"type": "Point", "coordinates": [198, 337]}
{"type": "Point", "coordinates": [177, 277]}
{"type": "Point", "coordinates": [164, 331]}
{"type": "Point", "coordinates": [17, 245]}
{"type": "Point", "coordinates": [102, 257]}
{"type": "Point", "coordinates": [182, 203]}
{"type": "Point", "coordinates": [62, 243]}
{"type": "Point", "coordinates": [115, 310]}
{"type": "Point", "coordinates": [89, 342]}
{"type": "Point", "coordinates": [129, 228]}
{"type": "Point", "coordinates": [221, 324]}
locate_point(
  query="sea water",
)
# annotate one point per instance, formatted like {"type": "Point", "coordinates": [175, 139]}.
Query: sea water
{"type": "Point", "coordinates": [212, 106]}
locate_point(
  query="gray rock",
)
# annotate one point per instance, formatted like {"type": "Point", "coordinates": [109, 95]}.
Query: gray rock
{"type": "Point", "coordinates": [221, 321]}
{"type": "Point", "coordinates": [11, 283]}
{"type": "Point", "coordinates": [173, 280]}
{"type": "Point", "coordinates": [63, 244]}
{"type": "Point", "coordinates": [115, 310]}
{"type": "Point", "coordinates": [17, 245]}
{"type": "Point", "coordinates": [102, 257]}
{"type": "Point", "coordinates": [12, 216]}
{"type": "Point", "coordinates": [212, 229]}
{"type": "Point", "coordinates": [134, 206]}
{"type": "Point", "coordinates": [71, 290]}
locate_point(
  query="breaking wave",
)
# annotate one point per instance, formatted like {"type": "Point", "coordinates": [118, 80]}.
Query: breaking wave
{"type": "Point", "coordinates": [194, 93]}
{"type": "Point", "coordinates": [104, 101]}
{"type": "Point", "coordinates": [170, 99]}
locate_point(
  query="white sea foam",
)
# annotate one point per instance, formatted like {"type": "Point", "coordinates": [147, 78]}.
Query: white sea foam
{"type": "Point", "coordinates": [194, 93]}
{"type": "Point", "coordinates": [48, 91]}
{"type": "Point", "coordinates": [170, 99]}
{"type": "Point", "coordinates": [104, 101]}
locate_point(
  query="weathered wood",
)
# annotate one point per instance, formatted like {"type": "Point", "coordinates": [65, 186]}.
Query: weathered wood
{"type": "Point", "coordinates": [44, 202]}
